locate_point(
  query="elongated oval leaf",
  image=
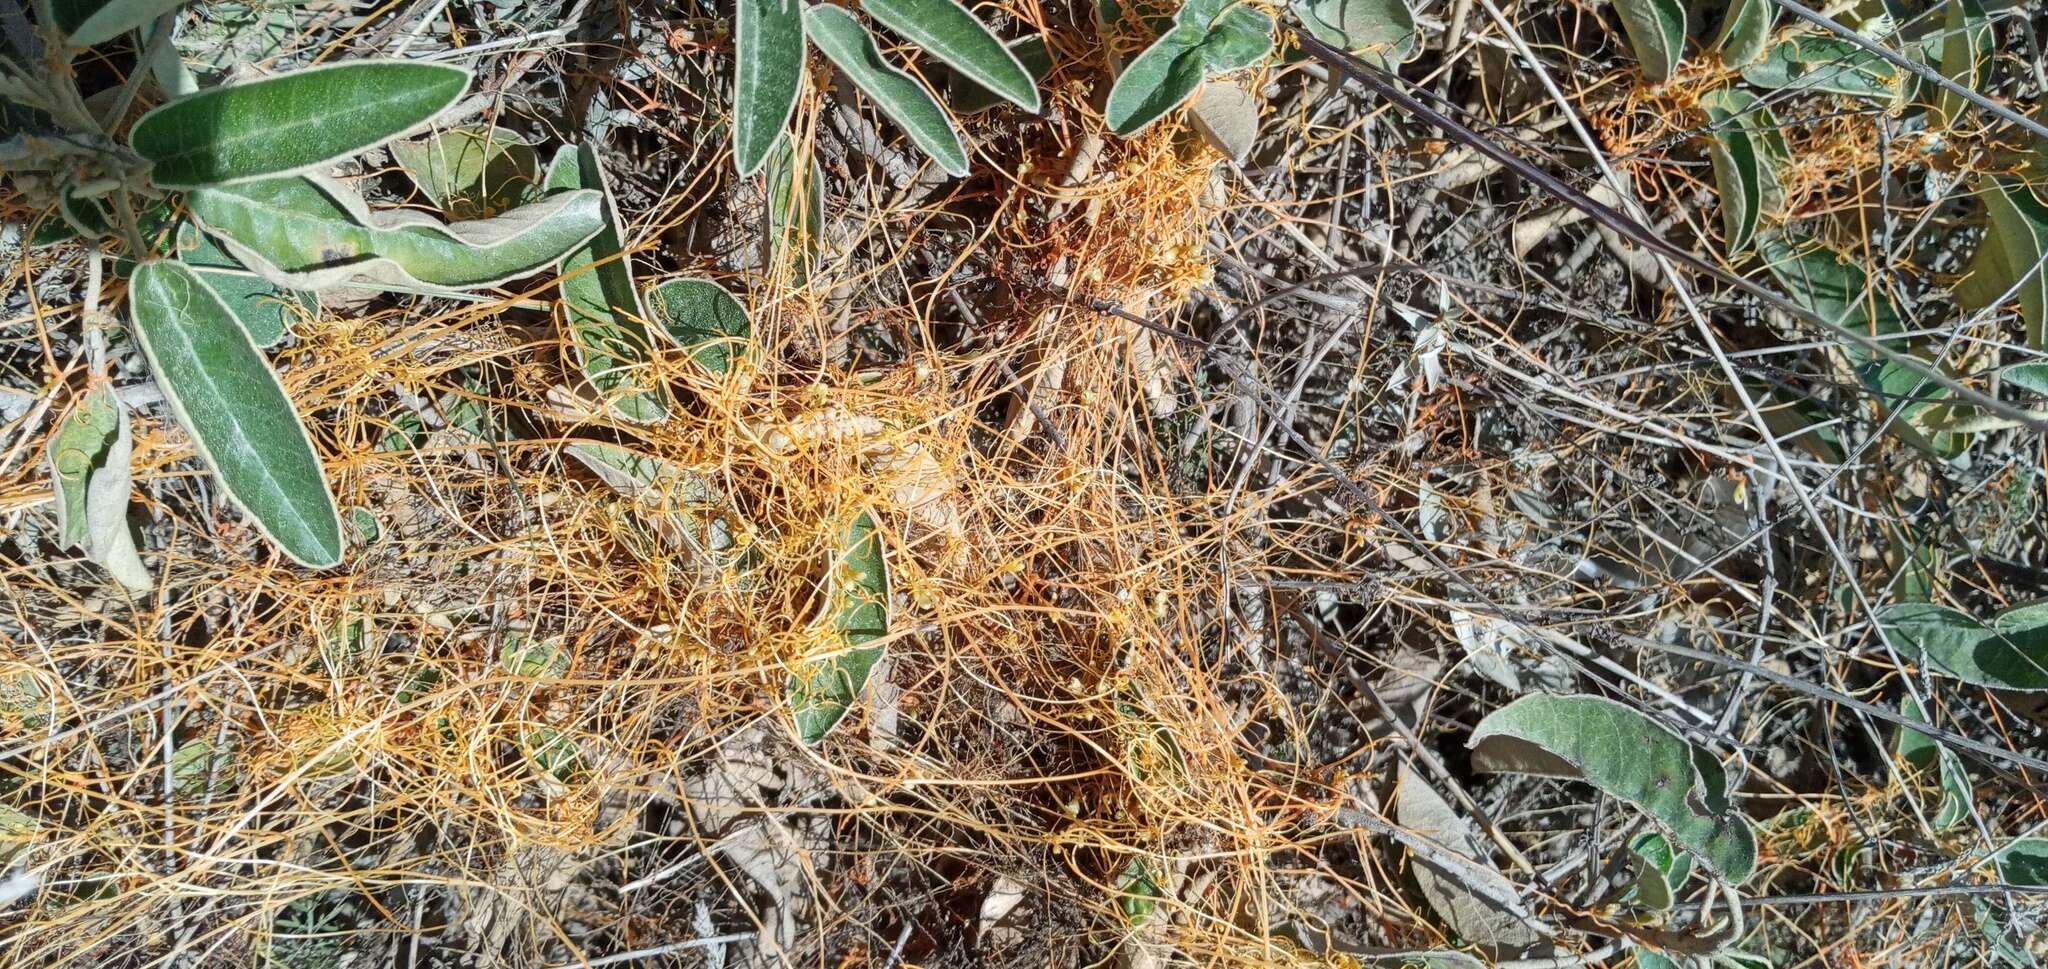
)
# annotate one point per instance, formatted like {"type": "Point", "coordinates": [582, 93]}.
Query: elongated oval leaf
{"type": "Point", "coordinates": [291, 123]}
{"type": "Point", "coordinates": [1923, 752]}
{"type": "Point", "coordinates": [1745, 31]}
{"type": "Point", "coordinates": [472, 172]}
{"type": "Point", "coordinates": [768, 74]}
{"type": "Point", "coordinates": [88, 22]}
{"type": "Point", "coordinates": [312, 233]}
{"type": "Point", "coordinates": [2011, 255]}
{"type": "Point", "coordinates": [1656, 29]}
{"type": "Point", "coordinates": [1226, 115]}
{"type": "Point", "coordinates": [856, 614]}
{"type": "Point", "coordinates": [906, 102]}
{"type": "Point", "coordinates": [1742, 170]}
{"type": "Point", "coordinates": [948, 32]}
{"type": "Point", "coordinates": [1629, 756]}
{"type": "Point", "coordinates": [2010, 652]}
{"type": "Point", "coordinates": [964, 97]}
{"type": "Point", "coordinates": [701, 317]}
{"type": "Point", "coordinates": [796, 211]}
{"type": "Point", "coordinates": [1966, 55]}
{"type": "Point", "coordinates": [88, 458]}
{"type": "Point", "coordinates": [599, 300]}
{"type": "Point", "coordinates": [1814, 62]}
{"type": "Point", "coordinates": [688, 506]}
{"type": "Point", "coordinates": [1159, 79]}
{"type": "Point", "coordinates": [225, 395]}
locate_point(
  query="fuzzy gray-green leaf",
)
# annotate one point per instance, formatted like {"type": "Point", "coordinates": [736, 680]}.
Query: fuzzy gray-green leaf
{"type": "Point", "coordinates": [226, 396]}
{"type": "Point", "coordinates": [1966, 55]}
{"type": "Point", "coordinates": [88, 457]}
{"type": "Point", "coordinates": [2009, 652]}
{"type": "Point", "coordinates": [1630, 757]}
{"type": "Point", "coordinates": [768, 73]}
{"type": "Point", "coordinates": [701, 317]}
{"type": "Point", "coordinates": [944, 29]}
{"type": "Point", "coordinates": [1813, 62]}
{"type": "Point", "coordinates": [852, 49]}
{"type": "Point", "coordinates": [2010, 257]}
{"type": "Point", "coordinates": [1656, 30]}
{"type": "Point", "coordinates": [1380, 31]}
{"type": "Point", "coordinates": [1745, 30]}
{"type": "Point", "coordinates": [313, 233]}
{"type": "Point", "coordinates": [472, 172]}
{"type": "Point", "coordinates": [856, 614]}
{"type": "Point", "coordinates": [1208, 37]}
{"type": "Point", "coordinates": [292, 122]}
{"type": "Point", "coordinates": [599, 300]}
{"type": "Point", "coordinates": [796, 210]}
{"type": "Point", "coordinates": [1742, 170]}
{"type": "Point", "coordinates": [1923, 752]}
{"type": "Point", "coordinates": [88, 22]}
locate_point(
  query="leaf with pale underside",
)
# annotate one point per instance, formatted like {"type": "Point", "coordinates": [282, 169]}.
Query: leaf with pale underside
{"type": "Point", "coordinates": [1381, 32]}
{"type": "Point", "coordinates": [294, 122]}
{"type": "Point", "coordinates": [1925, 753]}
{"type": "Point", "coordinates": [87, 22]}
{"type": "Point", "coordinates": [1743, 171]}
{"type": "Point", "coordinates": [1813, 62]}
{"type": "Point", "coordinates": [856, 614]}
{"type": "Point", "coordinates": [471, 172]}
{"type": "Point", "coordinates": [1226, 115]}
{"type": "Point", "coordinates": [599, 301]}
{"type": "Point", "coordinates": [768, 74]}
{"type": "Point", "coordinates": [1473, 915]}
{"type": "Point", "coordinates": [88, 458]}
{"type": "Point", "coordinates": [1629, 756]}
{"type": "Point", "coordinates": [2009, 651]}
{"type": "Point", "coordinates": [852, 49]}
{"type": "Point", "coordinates": [313, 233]}
{"type": "Point", "coordinates": [229, 400]}
{"type": "Point", "coordinates": [796, 210]}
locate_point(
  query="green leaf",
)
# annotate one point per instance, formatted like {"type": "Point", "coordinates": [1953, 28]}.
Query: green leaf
{"type": "Point", "coordinates": [948, 32]}
{"type": "Point", "coordinates": [198, 772]}
{"type": "Point", "coordinates": [2023, 861]}
{"type": "Point", "coordinates": [88, 22]}
{"type": "Point", "coordinates": [1652, 959]}
{"type": "Point", "coordinates": [796, 211]}
{"type": "Point", "coordinates": [701, 317]}
{"type": "Point", "coordinates": [1208, 37]}
{"type": "Point", "coordinates": [1745, 31]}
{"type": "Point", "coordinates": [1382, 32]}
{"type": "Point", "coordinates": [1922, 752]}
{"type": "Point", "coordinates": [2010, 257]}
{"type": "Point", "coordinates": [1629, 756]}
{"type": "Point", "coordinates": [312, 233]}
{"type": "Point", "coordinates": [554, 754]}
{"type": "Point", "coordinates": [856, 614]}
{"type": "Point", "coordinates": [599, 300]}
{"type": "Point", "coordinates": [294, 122]}
{"type": "Point", "coordinates": [265, 310]}
{"type": "Point", "coordinates": [1742, 170]}
{"type": "Point", "coordinates": [1813, 62]}
{"type": "Point", "coordinates": [852, 49]}
{"type": "Point", "coordinates": [2032, 377]}
{"type": "Point", "coordinates": [540, 659]}
{"type": "Point", "coordinates": [1660, 869]}
{"type": "Point", "coordinates": [686, 505]}
{"type": "Point", "coordinates": [2009, 653]}
{"type": "Point", "coordinates": [1443, 959]}
{"type": "Point", "coordinates": [966, 97]}
{"type": "Point", "coordinates": [472, 172]}
{"type": "Point", "coordinates": [88, 457]}
{"type": "Point", "coordinates": [1137, 892]}
{"type": "Point", "coordinates": [1966, 57]}
{"type": "Point", "coordinates": [1656, 29]}
{"type": "Point", "coordinates": [1827, 284]}
{"type": "Point", "coordinates": [768, 74]}
{"type": "Point", "coordinates": [226, 396]}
